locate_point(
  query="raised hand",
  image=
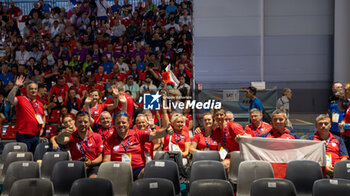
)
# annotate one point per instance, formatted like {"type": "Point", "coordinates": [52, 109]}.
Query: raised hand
{"type": "Point", "coordinates": [170, 130]}
{"type": "Point", "coordinates": [20, 80]}
{"type": "Point", "coordinates": [115, 91]}
{"type": "Point", "coordinates": [122, 99]}
{"type": "Point", "coordinates": [88, 100]}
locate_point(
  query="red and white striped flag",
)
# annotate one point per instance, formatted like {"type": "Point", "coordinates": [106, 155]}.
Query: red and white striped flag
{"type": "Point", "coordinates": [280, 151]}
{"type": "Point", "coordinates": [169, 77]}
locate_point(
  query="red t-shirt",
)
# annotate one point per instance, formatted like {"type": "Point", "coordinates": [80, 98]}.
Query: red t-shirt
{"type": "Point", "coordinates": [79, 90]}
{"type": "Point", "coordinates": [188, 119]}
{"type": "Point", "coordinates": [101, 78]}
{"type": "Point", "coordinates": [226, 136]}
{"type": "Point", "coordinates": [105, 133]}
{"type": "Point", "coordinates": [148, 146]}
{"type": "Point", "coordinates": [257, 131]}
{"type": "Point", "coordinates": [286, 134]}
{"type": "Point", "coordinates": [335, 147]}
{"type": "Point", "coordinates": [129, 107]}
{"type": "Point", "coordinates": [347, 120]}
{"type": "Point", "coordinates": [89, 148]}
{"type": "Point", "coordinates": [131, 144]}
{"type": "Point", "coordinates": [205, 142]}
{"type": "Point", "coordinates": [26, 111]}
{"type": "Point", "coordinates": [178, 139]}
{"type": "Point", "coordinates": [59, 91]}
{"type": "Point", "coordinates": [96, 111]}
{"type": "Point", "coordinates": [120, 76]}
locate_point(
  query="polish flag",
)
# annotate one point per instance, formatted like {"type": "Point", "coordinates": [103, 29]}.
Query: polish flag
{"type": "Point", "coordinates": [280, 151]}
{"type": "Point", "coordinates": [169, 77]}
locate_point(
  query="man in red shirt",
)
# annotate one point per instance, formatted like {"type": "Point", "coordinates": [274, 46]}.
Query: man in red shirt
{"type": "Point", "coordinates": [80, 89]}
{"type": "Point", "coordinates": [335, 147]}
{"type": "Point", "coordinates": [279, 130]}
{"type": "Point", "coordinates": [29, 113]}
{"type": "Point", "coordinates": [126, 144]}
{"type": "Point", "coordinates": [105, 128]}
{"type": "Point", "coordinates": [59, 91]}
{"type": "Point", "coordinates": [257, 127]}
{"type": "Point", "coordinates": [225, 134]}
{"type": "Point", "coordinates": [84, 145]}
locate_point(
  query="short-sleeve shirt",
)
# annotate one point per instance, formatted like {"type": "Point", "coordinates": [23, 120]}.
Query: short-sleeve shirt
{"type": "Point", "coordinates": [335, 146]}
{"type": "Point", "coordinates": [256, 103]}
{"type": "Point", "coordinates": [96, 111]}
{"type": "Point", "coordinates": [257, 131]}
{"type": "Point", "coordinates": [105, 133]}
{"type": "Point", "coordinates": [179, 139]}
{"type": "Point", "coordinates": [90, 147]}
{"type": "Point", "coordinates": [286, 134]}
{"type": "Point", "coordinates": [131, 144]}
{"type": "Point", "coordinates": [226, 136]}
{"type": "Point", "coordinates": [205, 142]}
{"type": "Point", "coordinates": [26, 115]}
{"type": "Point", "coordinates": [148, 147]}
{"type": "Point", "coordinates": [59, 91]}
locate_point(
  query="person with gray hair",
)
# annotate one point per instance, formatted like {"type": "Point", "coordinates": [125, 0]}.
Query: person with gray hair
{"type": "Point", "coordinates": [257, 127]}
{"type": "Point", "coordinates": [335, 147]}
{"type": "Point", "coordinates": [230, 117]}
{"type": "Point", "coordinates": [283, 103]}
{"type": "Point", "coordinates": [279, 130]}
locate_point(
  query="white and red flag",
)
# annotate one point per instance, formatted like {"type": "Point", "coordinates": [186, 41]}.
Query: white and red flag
{"type": "Point", "coordinates": [280, 151]}
{"type": "Point", "coordinates": [169, 77]}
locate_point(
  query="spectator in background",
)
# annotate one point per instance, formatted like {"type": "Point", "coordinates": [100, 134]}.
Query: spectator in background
{"type": "Point", "coordinates": [344, 124]}
{"type": "Point", "coordinates": [335, 147]}
{"type": "Point", "coordinates": [254, 101]}
{"type": "Point", "coordinates": [283, 104]}
{"type": "Point", "coordinates": [116, 7]}
{"type": "Point", "coordinates": [133, 87]}
{"type": "Point", "coordinates": [171, 7]}
{"type": "Point", "coordinates": [337, 112]}
{"type": "Point", "coordinates": [5, 75]}
{"type": "Point", "coordinates": [336, 87]}
{"type": "Point", "coordinates": [4, 109]}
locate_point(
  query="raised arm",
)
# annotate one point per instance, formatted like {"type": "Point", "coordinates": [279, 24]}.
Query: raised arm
{"type": "Point", "coordinates": [12, 95]}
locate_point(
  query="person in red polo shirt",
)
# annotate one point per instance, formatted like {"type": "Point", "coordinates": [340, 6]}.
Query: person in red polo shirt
{"type": "Point", "coordinates": [225, 133]}
{"type": "Point", "coordinates": [29, 113]}
{"type": "Point", "coordinates": [94, 106]}
{"type": "Point", "coordinates": [84, 145]}
{"type": "Point", "coordinates": [335, 147]}
{"type": "Point", "coordinates": [126, 144]}
{"type": "Point", "coordinates": [279, 130]}
{"type": "Point", "coordinates": [146, 125]}
{"type": "Point", "coordinates": [257, 127]}
{"type": "Point", "coordinates": [203, 140]}
{"type": "Point", "coordinates": [59, 91]}
{"type": "Point", "coordinates": [105, 128]}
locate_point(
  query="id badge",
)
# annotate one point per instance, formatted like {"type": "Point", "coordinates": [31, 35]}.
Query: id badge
{"type": "Point", "coordinates": [335, 117]}
{"type": "Point", "coordinates": [223, 152]}
{"type": "Point", "coordinates": [148, 157]}
{"type": "Point", "coordinates": [60, 99]}
{"type": "Point", "coordinates": [73, 111]}
{"type": "Point", "coordinates": [2, 116]}
{"type": "Point", "coordinates": [39, 119]}
{"type": "Point", "coordinates": [45, 112]}
{"type": "Point", "coordinates": [175, 147]}
{"type": "Point", "coordinates": [328, 159]}
{"type": "Point", "coordinates": [126, 158]}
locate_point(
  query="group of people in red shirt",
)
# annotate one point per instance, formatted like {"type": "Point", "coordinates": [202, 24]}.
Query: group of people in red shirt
{"type": "Point", "coordinates": [95, 135]}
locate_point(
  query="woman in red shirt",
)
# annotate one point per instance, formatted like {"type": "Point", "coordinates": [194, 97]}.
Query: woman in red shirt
{"type": "Point", "coordinates": [344, 125]}
{"type": "Point", "coordinates": [94, 106]}
{"type": "Point", "coordinates": [180, 140]}
{"type": "Point", "coordinates": [203, 140]}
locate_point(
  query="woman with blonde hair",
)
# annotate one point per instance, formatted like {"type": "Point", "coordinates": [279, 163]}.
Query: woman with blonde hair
{"type": "Point", "coordinates": [180, 140]}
